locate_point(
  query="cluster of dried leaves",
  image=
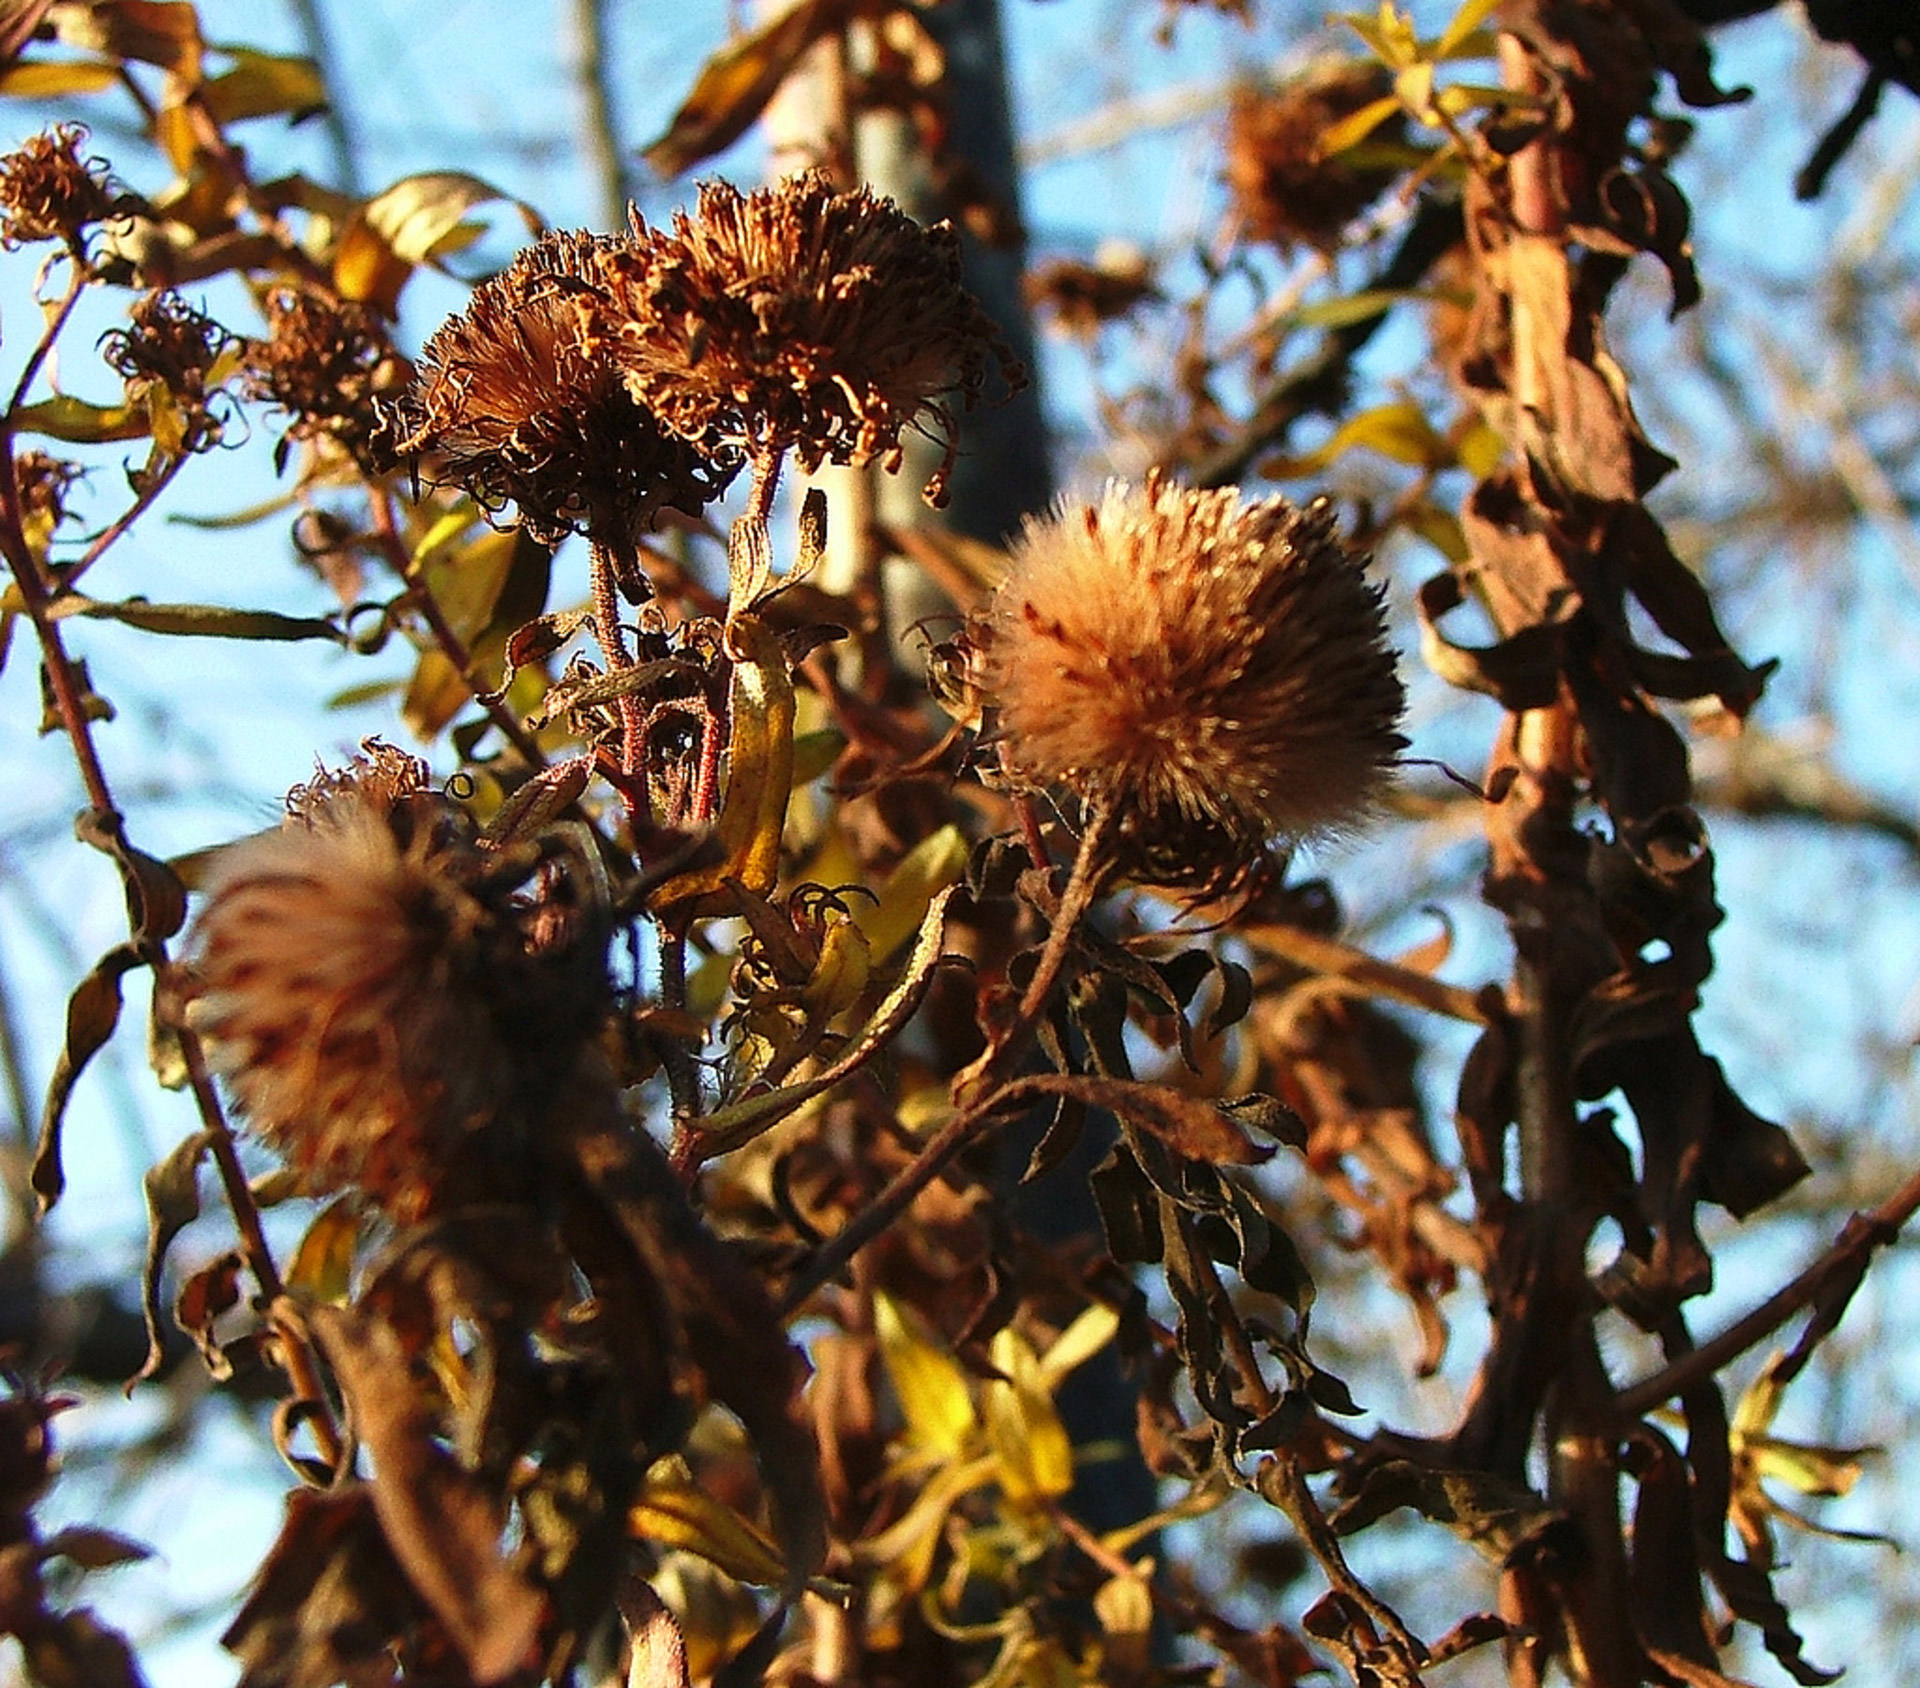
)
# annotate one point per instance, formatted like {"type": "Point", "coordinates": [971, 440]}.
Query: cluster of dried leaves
{"type": "Point", "coordinates": [668, 1086]}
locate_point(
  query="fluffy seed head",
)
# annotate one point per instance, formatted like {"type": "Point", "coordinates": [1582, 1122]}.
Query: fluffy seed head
{"type": "Point", "coordinates": [800, 318]}
{"type": "Point", "coordinates": [324, 362]}
{"type": "Point", "coordinates": [518, 401]}
{"type": "Point", "coordinates": [374, 998]}
{"type": "Point", "coordinates": [1212, 673]}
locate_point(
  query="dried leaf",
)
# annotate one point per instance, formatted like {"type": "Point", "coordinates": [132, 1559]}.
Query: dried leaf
{"type": "Point", "coordinates": [322, 1266]}
{"type": "Point", "coordinates": [404, 226]}
{"type": "Point", "coordinates": [64, 417]}
{"type": "Point", "coordinates": [673, 1511]}
{"type": "Point", "coordinates": [266, 85]}
{"type": "Point", "coordinates": [1500, 1519]}
{"type": "Point", "coordinates": [92, 1013]}
{"type": "Point", "coordinates": [93, 1549]}
{"type": "Point", "coordinates": [1194, 1126]}
{"type": "Point", "coordinates": [206, 1294]}
{"type": "Point", "coordinates": [736, 83]}
{"type": "Point", "coordinates": [173, 1202]}
{"type": "Point", "coordinates": [442, 1524]}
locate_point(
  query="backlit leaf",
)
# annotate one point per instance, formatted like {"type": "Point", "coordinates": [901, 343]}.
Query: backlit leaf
{"type": "Point", "coordinates": [928, 1383]}
{"type": "Point", "coordinates": [92, 1013]}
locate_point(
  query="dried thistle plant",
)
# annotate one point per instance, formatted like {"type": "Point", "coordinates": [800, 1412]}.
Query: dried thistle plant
{"type": "Point", "coordinates": [171, 357]}
{"type": "Point", "coordinates": [799, 318]}
{"type": "Point", "coordinates": [1211, 675]}
{"type": "Point", "coordinates": [518, 401]}
{"type": "Point", "coordinates": [325, 362]}
{"type": "Point", "coordinates": [49, 192]}
{"type": "Point", "coordinates": [386, 1011]}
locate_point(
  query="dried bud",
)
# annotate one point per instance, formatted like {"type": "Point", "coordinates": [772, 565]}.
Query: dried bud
{"type": "Point", "coordinates": [800, 318]}
{"type": "Point", "coordinates": [323, 363]}
{"type": "Point", "coordinates": [374, 992]}
{"type": "Point", "coordinates": [168, 356]}
{"type": "Point", "coordinates": [1284, 190]}
{"type": "Point", "coordinates": [49, 192]}
{"type": "Point", "coordinates": [1213, 675]}
{"type": "Point", "coordinates": [1082, 297]}
{"type": "Point", "coordinates": [520, 403]}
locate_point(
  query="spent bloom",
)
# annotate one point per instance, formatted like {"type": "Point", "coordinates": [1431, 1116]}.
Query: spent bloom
{"type": "Point", "coordinates": [173, 359]}
{"type": "Point", "coordinates": [324, 362]}
{"type": "Point", "coordinates": [801, 318]}
{"type": "Point", "coordinates": [1213, 674]}
{"type": "Point", "coordinates": [518, 401]}
{"type": "Point", "coordinates": [49, 192]}
{"type": "Point", "coordinates": [378, 994]}
{"type": "Point", "coordinates": [1285, 192]}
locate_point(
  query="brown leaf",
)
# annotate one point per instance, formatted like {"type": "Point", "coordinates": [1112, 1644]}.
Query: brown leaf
{"type": "Point", "coordinates": [1195, 1127]}
{"type": "Point", "coordinates": [735, 84]}
{"type": "Point", "coordinates": [207, 1293]}
{"type": "Point", "coordinates": [1500, 1519]}
{"type": "Point", "coordinates": [92, 1013]}
{"type": "Point", "coordinates": [442, 1524]}
{"type": "Point", "coordinates": [173, 1202]}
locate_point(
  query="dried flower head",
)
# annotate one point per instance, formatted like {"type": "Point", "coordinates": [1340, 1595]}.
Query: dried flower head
{"type": "Point", "coordinates": [801, 318]}
{"type": "Point", "coordinates": [169, 356]}
{"type": "Point", "coordinates": [49, 192]}
{"type": "Point", "coordinates": [42, 483]}
{"type": "Point", "coordinates": [1212, 674]}
{"type": "Point", "coordinates": [520, 403]}
{"type": "Point", "coordinates": [373, 992]}
{"type": "Point", "coordinates": [1284, 190]}
{"type": "Point", "coordinates": [324, 362]}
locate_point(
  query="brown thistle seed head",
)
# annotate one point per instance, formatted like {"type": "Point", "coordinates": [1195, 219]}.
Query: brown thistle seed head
{"type": "Point", "coordinates": [1213, 674]}
{"type": "Point", "coordinates": [324, 362]}
{"type": "Point", "coordinates": [518, 401]}
{"type": "Point", "coordinates": [371, 989]}
{"type": "Point", "coordinates": [49, 192]}
{"type": "Point", "coordinates": [801, 318]}
{"type": "Point", "coordinates": [168, 356]}
{"type": "Point", "coordinates": [1284, 191]}
{"type": "Point", "coordinates": [43, 482]}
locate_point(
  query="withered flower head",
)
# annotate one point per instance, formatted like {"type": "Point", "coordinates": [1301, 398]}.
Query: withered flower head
{"type": "Point", "coordinates": [42, 483]}
{"type": "Point", "coordinates": [1283, 189]}
{"type": "Point", "coordinates": [801, 318]}
{"type": "Point", "coordinates": [324, 362]}
{"type": "Point", "coordinates": [168, 356]}
{"type": "Point", "coordinates": [1212, 674]}
{"type": "Point", "coordinates": [520, 403]}
{"type": "Point", "coordinates": [49, 192]}
{"type": "Point", "coordinates": [377, 994]}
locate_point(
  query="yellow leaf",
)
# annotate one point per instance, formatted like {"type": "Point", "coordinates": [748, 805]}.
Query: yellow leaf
{"type": "Point", "coordinates": [266, 85]}
{"type": "Point", "coordinates": [933, 864]}
{"type": "Point", "coordinates": [753, 811]}
{"type": "Point", "coordinates": [399, 229]}
{"type": "Point", "coordinates": [1398, 430]}
{"type": "Point", "coordinates": [47, 79]}
{"type": "Point", "coordinates": [674, 1511]}
{"type": "Point", "coordinates": [1077, 1344]}
{"type": "Point", "coordinates": [1465, 21]}
{"type": "Point", "coordinates": [1035, 1456]}
{"type": "Point", "coordinates": [322, 1266]}
{"type": "Point", "coordinates": [845, 965]}
{"type": "Point", "coordinates": [1356, 126]}
{"type": "Point", "coordinates": [905, 1548]}
{"type": "Point", "coordinates": [930, 1387]}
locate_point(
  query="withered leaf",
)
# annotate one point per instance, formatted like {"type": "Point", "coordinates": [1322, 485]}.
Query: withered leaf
{"type": "Point", "coordinates": [736, 83]}
{"type": "Point", "coordinates": [1500, 1519]}
{"type": "Point", "coordinates": [173, 1202]}
{"type": "Point", "coordinates": [329, 1600]}
{"type": "Point", "coordinates": [441, 1522]}
{"type": "Point", "coordinates": [92, 1013]}
{"type": "Point", "coordinates": [1195, 1127]}
{"type": "Point", "coordinates": [212, 1290]}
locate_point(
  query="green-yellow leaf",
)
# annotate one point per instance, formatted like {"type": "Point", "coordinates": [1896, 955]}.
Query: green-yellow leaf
{"type": "Point", "coordinates": [1356, 126]}
{"type": "Point", "coordinates": [64, 417]}
{"type": "Point", "coordinates": [929, 1385]}
{"type": "Point", "coordinates": [1398, 430]}
{"type": "Point", "coordinates": [1465, 21]}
